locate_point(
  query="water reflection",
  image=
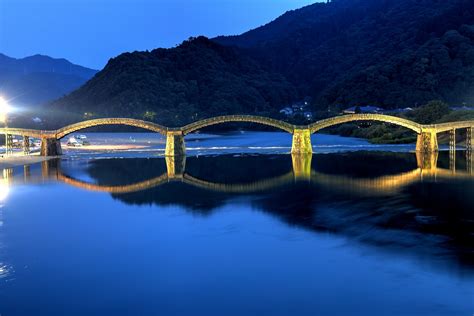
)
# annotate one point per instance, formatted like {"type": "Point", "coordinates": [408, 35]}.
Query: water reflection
{"type": "Point", "coordinates": [401, 202]}
{"type": "Point", "coordinates": [366, 172]}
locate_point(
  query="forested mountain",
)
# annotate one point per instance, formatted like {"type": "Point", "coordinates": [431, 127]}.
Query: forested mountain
{"type": "Point", "coordinates": [389, 53]}
{"type": "Point", "coordinates": [34, 80]}
{"type": "Point", "coordinates": [175, 86]}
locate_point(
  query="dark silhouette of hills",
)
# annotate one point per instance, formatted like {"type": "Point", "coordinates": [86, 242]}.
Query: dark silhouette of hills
{"type": "Point", "coordinates": [199, 78]}
{"type": "Point", "coordinates": [36, 79]}
{"type": "Point", "coordinates": [389, 53]}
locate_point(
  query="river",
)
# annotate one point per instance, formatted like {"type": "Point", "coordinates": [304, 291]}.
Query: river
{"type": "Point", "coordinates": [239, 227]}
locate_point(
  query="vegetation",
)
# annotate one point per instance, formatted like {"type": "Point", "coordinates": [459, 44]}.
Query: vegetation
{"type": "Point", "coordinates": [177, 86]}
{"type": "Point", "coordinates": [381, 133]}
{"type": "Point", "coordinates": [391, 53]}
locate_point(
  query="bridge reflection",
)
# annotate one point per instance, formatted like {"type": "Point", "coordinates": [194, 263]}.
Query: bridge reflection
{"type": "Point", "coordinates": [301, 171]}
{"type": "Point", "coordinates": [381, 199]}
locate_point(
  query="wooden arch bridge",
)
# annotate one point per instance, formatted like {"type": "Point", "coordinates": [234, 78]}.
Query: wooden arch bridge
{"type": "Point", "coordinates": [301, 144]}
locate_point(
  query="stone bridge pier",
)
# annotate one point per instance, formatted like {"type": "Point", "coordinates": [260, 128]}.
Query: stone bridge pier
{"type": "Point", "coordinates": [175, 144]}
{"type": "Point", "coordinates": [301, 143]}
{"type": "Point", "coordinates": [469, 134]}
{"type": "Point", "coordinates": [51, 147]}
{"type": "Point", "coordinates": [427, 141]}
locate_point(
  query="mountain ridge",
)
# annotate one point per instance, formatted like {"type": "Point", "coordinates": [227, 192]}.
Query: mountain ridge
{"type": "Point", "coordinates": [33, 80]}
{"type": "Point", "coordinates": [389, 53]}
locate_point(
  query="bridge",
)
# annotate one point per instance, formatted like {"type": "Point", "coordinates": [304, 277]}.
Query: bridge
{"type": "Point", "coordinates": [427, 135]}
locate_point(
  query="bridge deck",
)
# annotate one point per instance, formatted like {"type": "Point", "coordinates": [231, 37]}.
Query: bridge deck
{"type": "Point", "coordinates": [290, 128]}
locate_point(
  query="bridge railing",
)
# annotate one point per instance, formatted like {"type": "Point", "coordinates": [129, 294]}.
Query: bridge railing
{"type": "Point", "coordinates": [238, 118]}
{"type": "Point", "coordinates": [290, 128]}
{"type": "Point", "coordinates": [336, 120]}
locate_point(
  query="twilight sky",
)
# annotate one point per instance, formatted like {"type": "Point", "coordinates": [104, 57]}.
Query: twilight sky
{"type": "Point", "coordinates": [89, 32]}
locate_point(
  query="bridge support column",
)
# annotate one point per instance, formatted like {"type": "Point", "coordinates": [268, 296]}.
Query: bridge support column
{"type": "Point", "coordinates": [427, 141]}
{"type": "Point", "coordinates": [452, 150]}
{"type": "Point", "coordinates": [175, 144]}
{"type": "Point", "coordinates": [452, 140]}
{"type": "Point", "coordinates": [8, 144]}
{"type": "Point", "coordinates": [51, 147]}
{"type": "Point", "coordinates": [302, 166]}
{"type": "Point", "coordinates": [469, 134]}
{"type": "Point", "coordinates": [175, 166]}
{"type": "Point", "coordinates": [26, 145]}
{"type": "Point", "coordinates": [301, 142]}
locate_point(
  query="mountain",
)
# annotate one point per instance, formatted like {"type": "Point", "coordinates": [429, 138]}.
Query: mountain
{"type": "Point", "coordinates": [392, 53]}
{"type": "Point", "coordinates": [175, 86]}
{"type": "Point", "coordinates": [389, 53]}
{"type": "Point", "coordinates": [33, 80]}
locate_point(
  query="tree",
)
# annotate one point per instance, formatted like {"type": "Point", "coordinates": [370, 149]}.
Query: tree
{"type": "Point", "coordinates": [149, 116]}
{"type": "Point", "coordinates": [430, 112]}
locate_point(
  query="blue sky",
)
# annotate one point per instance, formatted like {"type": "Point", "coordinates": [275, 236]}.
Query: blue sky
{"type": "Point", "coordinates": [89, 32]}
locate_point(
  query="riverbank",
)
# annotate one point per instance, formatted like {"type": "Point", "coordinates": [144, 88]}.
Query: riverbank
{"type": "Point", "coordinates": [13, 161]}
{"type": "Point", "coordinates": [105, 147]}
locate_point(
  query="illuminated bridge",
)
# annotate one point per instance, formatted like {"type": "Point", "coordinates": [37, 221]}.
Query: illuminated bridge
{"type": "Point", "coordinates": [427, 140]}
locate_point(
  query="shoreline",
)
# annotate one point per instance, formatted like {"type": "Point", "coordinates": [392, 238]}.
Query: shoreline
{"type": "Point", "coordinates": [103, 147]}
{"type": "Point", "coordinates": [15, 161]}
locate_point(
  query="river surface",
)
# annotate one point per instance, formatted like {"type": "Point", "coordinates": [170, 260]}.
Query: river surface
{"type": "Point", "coordinates": [239, 227]}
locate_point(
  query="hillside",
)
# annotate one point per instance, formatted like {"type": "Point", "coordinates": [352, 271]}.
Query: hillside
{"type": "Point", "coordinates": [33, 80]}
{"type": "Point", "coordinates": [197, 79]}
{"type": "Point", "coordinates": [393, 53]}
{"type": "Point", "coordinates": [389, 53]}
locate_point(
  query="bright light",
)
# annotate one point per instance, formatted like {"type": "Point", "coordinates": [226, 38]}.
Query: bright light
{"type": "Point", "coordinates": [4, 106]}
{"type": "Point", "coordinates": [4, 109]}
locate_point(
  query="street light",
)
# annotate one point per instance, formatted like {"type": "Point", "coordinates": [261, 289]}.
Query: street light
{"type": "Point", "coordinates": [4, 109]}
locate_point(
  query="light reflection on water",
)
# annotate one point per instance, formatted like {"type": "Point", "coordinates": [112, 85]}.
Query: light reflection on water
{"type": "Point", "coordinates": [227, 143]}
{"type": "Point", "coordinates": [331, 234]}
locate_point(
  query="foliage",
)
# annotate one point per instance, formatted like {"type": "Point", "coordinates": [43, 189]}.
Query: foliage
{"type": "Point", "coordinates": [429, 113]}
{"type": "Point", "coordinates": [180, 85]}
{"type": "Point", "coordinates": [391, 53]}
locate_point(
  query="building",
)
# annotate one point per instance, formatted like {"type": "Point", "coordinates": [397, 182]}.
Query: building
{"type": "Point", "coordinates": [287, 111]}
{"type": "Point", "coordinates": [363, 109]}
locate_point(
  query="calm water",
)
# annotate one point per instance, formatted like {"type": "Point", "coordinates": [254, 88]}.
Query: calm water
{"type": "Point", "coordinates": [337, 233]}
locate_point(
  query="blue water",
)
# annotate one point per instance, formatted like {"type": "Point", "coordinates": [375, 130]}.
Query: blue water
{"type": "Point", "coordinates": [323, 244]}
{"type": "Point", "coordinates": [227, 143]}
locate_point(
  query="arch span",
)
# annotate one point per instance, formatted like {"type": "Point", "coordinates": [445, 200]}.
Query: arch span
{"type": "Point", "coordinates": [444, 127]}
{"type": "Point", "coordinates": [60, 133]}
{"type": "Point", "coordinates": [287, 127]}
{"type": "Point", "coordinates": [365, 117]}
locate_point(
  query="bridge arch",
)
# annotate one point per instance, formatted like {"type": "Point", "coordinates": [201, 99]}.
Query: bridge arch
{"type": "Point", "coordinates": [60, 133]}
{"type": "Point", "coordinates": [332, 121]}
{"type": "Point", "coordinates": [287, 127]}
